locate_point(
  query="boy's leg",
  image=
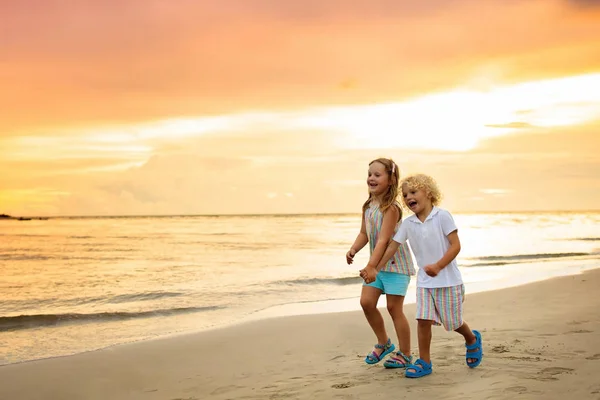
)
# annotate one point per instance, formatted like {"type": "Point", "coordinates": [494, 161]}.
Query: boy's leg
{"type": "Point", "coordinates": [449, 301]}
{"type": "Point", "coordinates": [469, 339]}
{"type": "Point", "coordinates": [395, 305]}
{"type": "Point", "coordinates": [427, 316]}
{"type": "Point", "coordinates": [424, 336]}
{"type": "Point", "coordinates": [368, 301]}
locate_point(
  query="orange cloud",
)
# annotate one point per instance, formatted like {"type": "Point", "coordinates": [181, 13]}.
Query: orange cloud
{"type": "Point", "coordinates": [292, 172]}
{"type": "Point", "coordinates": [143, 107]}
{"type": "Point", "coordinates": [129, 61]}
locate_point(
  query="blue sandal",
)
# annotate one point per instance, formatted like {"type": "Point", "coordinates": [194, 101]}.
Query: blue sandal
{"type": "Point", "coordinates": [400, 360]}
{"type": "Point", "coordinates": [475, 355]}
{"type": "Point", "coordinates": [421, 368]}
{"type": "Point", "coordinates": [374, 358]}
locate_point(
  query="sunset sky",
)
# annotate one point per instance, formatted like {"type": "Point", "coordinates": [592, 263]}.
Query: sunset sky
{"type": "Point", "coordinates": [268, 106]}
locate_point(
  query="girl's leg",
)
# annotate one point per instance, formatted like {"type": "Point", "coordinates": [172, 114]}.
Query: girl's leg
{"type": "Point", "coordinates": [395, 305]}
{"type": "Point", "coordinates": [368, 301]}
{"type": "Point", "coordinates": [469, 337]}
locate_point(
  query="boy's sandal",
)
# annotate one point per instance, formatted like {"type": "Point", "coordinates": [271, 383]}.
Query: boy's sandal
{"type": "Point", "coordinates": [474, 355]}
{"type": "Point", "coordinates": [387, 348]}
{"type": "Point", "coordinates": [399, 360]}
{"type": "Point", "coordinates": [420, 367]}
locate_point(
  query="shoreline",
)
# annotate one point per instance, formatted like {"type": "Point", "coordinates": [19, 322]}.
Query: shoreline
{"type": "Point", "coordinates": [541, 340]}
{"type": "Point", "coordinates": [334, 306]}
{"type": "Point", "coordinates": [352, 303]}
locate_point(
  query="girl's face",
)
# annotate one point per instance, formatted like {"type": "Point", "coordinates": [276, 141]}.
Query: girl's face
{"type": "Point", "coordinates": [378, 179]}
{"type": "Point", "coordinates": [417, 200]}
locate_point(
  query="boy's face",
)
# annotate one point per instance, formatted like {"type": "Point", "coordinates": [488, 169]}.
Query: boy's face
{"type": "Point", "coordinates": [416, 200]}
{"type": "Point", "coordinates": [378, 179]}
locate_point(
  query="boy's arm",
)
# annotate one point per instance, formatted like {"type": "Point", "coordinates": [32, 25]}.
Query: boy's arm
{"type": "Point", "coordinates": [451, 253]}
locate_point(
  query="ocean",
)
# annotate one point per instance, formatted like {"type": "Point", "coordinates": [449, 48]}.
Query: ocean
{"type": "Point", "coordinates": [77, 284]}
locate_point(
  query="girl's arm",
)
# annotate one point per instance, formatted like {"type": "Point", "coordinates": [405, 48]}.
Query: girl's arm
{"type": "Point", "coordinates": [361, 240]}
{"type": "Point", "coordinates": [391, 249]}
{"type": "Point", "coordinates": [390, 219]}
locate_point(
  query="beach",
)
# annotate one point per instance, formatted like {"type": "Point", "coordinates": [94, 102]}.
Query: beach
{"type": "Point", "coordinates": [183, 184]}
{"type": "Point", "coordinates": [541, 340]}
{"type": "Point", "coordinates": [74, 285]}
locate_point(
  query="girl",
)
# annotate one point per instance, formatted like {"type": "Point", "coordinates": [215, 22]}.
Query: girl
{"type": "Point", "coordinates": [381, 218]}
{"type": "Point", "coordinates": [434, 240]}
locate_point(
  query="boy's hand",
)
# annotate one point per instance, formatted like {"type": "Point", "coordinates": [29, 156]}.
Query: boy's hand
{"type": "Point", "coordinates": [350, 256]}
{"type": "Point", "coordinates": [369, 274]}
{"type": "Point", "coordinates": [432, 270]}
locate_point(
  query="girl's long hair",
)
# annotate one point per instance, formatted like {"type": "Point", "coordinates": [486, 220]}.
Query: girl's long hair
{"type": "Point", "coordinates": [389, 198]}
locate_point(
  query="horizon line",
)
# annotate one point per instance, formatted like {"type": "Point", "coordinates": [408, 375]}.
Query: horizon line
{"type": "Point", "coordinates": [584, 211]}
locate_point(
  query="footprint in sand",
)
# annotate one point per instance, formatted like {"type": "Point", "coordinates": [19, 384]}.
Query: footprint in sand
{"type": "Point", "coordinates": [549, 374]}
{"type": "Point", "coordinates": [500, 349]}
{"type": "Point", "coordinates": [344, 385]}
{"type": "Point", "coordinates": [578, 322]}
{"type": "Point", "coordinates": [187, 398]}
{"type": "Point", "coordinates": [556, 370]}
{"type": "Point", "coordinates": [580, 331]}
{"type": "Point", "coordinates": [594, 357]}
{"type": "Point", "coordinates": [220, 390]}
{"type": "Point", "coordinates": [525, 358]}
{"type": "Point", "coordinates": [517, 389]}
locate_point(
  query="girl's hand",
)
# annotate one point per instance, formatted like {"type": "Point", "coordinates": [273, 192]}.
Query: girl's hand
{"type": "Point", "coordinates": [350, 256]}
{"type": "Point", "coordinates": [368, 274]}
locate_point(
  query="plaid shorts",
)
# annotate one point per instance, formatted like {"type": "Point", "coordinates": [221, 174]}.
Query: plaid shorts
{"type": "Point", "coordinates": [443, 306]}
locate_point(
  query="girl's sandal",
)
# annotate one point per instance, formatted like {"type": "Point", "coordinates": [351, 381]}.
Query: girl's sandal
{"type": "Point", "coordinates": [399, 360]}
{"type": "Point", "coordinates": [387, 348]}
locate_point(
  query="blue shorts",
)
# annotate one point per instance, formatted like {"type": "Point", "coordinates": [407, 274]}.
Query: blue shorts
{"type": "Point", "coordinates": [391, 283]}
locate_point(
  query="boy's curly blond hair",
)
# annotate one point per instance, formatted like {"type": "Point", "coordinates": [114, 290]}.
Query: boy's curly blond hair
{"type": "Point", "coordinates": [425, 182]}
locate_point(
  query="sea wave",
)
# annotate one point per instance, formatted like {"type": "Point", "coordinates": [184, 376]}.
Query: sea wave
{"type": "Point", "coordinates": [347, 280]}
{"type": "Point", "coordinates": [23, 235]}
{"type": "Point", "coordinates": [40, 320]}
{"type": "Point", "coordinates": [488, 261]}
{"type": "Point", "coordinates": [9, 306]}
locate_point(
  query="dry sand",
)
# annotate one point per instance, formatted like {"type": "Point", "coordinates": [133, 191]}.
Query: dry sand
{"type": "Point", "coordinates": [540, 341]}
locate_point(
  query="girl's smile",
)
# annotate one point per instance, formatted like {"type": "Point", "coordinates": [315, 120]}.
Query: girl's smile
{"type": "Point", "coordinates": [378, 180]}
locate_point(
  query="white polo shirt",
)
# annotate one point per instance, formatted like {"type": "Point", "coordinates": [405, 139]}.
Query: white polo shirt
{"type": "Point", "coordinates": [429, 242]}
